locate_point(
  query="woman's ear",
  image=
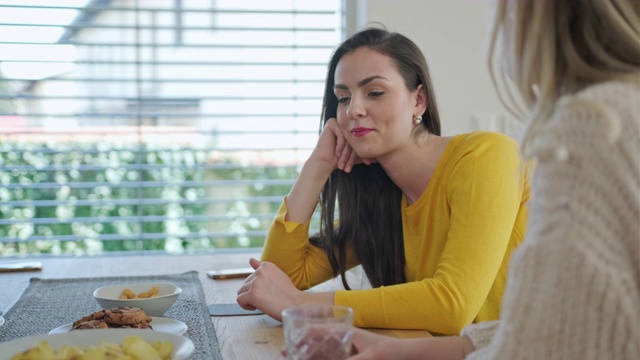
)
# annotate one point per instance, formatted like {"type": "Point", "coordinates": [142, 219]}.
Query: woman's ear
{"type": "Point", "coordinates": [421, 103]}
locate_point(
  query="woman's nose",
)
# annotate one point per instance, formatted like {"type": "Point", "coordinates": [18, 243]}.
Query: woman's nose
{"type": "Point", "coordinates": [355, 110]}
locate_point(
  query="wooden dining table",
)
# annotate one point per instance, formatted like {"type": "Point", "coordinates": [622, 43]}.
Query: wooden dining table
{"type": "Point", "coordinates": [239, 337]}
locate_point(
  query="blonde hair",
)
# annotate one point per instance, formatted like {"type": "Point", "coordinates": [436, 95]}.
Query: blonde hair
{"type": "Point", "coordinates": [552, 48]}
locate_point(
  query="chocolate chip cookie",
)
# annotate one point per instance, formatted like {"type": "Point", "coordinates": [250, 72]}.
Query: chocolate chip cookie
{"type": "Point", "coordinates": [89, 324]}
{"type": "Point", "coordinates": [126, 316]}
{"type": "Point", "coordinates": [120, 317]}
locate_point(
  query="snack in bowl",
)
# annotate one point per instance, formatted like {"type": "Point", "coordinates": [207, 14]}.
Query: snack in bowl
{"type": "Point", "coordinates": [108, 297]}
{"type": "Point", "coordinates": [119, 317]}
{"type": "Point", "coordinates": [128, 294]}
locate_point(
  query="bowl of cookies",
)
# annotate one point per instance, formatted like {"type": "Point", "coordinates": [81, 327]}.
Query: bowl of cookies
{"type": "Point", "coordinates": [154, 298]}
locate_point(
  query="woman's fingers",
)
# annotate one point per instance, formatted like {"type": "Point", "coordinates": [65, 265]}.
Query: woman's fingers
{"type": "Point", "coordinates": [255, 263]}
{"type": "Point", "coordinates": [329, 146]}
{"type": "Point", "coordinates": [341, 142]}
{"type": "Point", "coordinates": [353, 159]}
{"type": "Point", "coordinates": [243, 297]}
{"type": "Point", "coordinates": [367, 345]}
{"type": "Point", "coordinates": [347, 158]}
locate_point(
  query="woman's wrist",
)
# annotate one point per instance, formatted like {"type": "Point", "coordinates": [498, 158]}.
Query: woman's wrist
{"type": "Point", "coordinates": [319, 167]}
{"type": "Point", "coordinates": [303, 196]}
{"type": "Point", "coordinates": [310, 298]}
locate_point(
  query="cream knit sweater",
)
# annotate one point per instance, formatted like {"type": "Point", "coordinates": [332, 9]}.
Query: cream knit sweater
{"type": "Point", "coordinates": [573, 290]}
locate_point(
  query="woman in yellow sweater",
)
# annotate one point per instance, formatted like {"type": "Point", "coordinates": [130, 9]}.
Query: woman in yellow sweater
{"type": "Point", "coordinates": [431, 219]}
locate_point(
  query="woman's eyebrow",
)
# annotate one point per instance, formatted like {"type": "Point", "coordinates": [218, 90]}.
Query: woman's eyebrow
{"type": "Point", "coordinates": [361, 83]}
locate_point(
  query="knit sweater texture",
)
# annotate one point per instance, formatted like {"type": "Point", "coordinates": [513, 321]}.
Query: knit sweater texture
{"type": "Point", "coordinates": [573, 289]}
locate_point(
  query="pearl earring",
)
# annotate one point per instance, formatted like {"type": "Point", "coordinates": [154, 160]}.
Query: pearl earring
{"type": "Point", "coordinates": [417, 119]}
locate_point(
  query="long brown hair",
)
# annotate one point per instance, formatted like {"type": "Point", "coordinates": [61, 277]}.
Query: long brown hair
{"type": "Point", "coordinates": [368, 201]}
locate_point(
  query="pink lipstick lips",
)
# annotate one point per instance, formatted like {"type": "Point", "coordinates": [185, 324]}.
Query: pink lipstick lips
{"type": "Point", "coordinates": [360, 131]}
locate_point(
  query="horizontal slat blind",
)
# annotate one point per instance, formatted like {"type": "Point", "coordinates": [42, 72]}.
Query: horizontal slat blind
{"type": "Point", "coordinates": [155, 125]}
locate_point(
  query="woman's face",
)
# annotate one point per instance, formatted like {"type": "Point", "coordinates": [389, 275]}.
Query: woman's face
{"type": "Point", "coordinates": [375, 108]}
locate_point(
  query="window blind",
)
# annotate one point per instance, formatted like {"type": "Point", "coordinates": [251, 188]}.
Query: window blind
{"type": "Point", "coordinates": [155, 126]}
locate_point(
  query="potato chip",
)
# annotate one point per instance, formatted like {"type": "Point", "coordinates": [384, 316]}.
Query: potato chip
{"type": "Point", "coordinates": [128, 294]}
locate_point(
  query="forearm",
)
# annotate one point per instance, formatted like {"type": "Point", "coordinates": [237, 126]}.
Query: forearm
{"type": "Point", "coordinates": [440, 348]}
{"type": "Point", "coordinates": [310, 298]}
{"type": "Point", "coordinates": [432, 307]}
{"type": "Point", "coordinates": [303, 196]}
{"type": "Point", "coordinates": [373, 346]}
{"type": "Point", "coordinates": [288, 247]}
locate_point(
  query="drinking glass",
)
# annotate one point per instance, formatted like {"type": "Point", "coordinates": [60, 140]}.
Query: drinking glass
{"type": "Point", "coordinates": [314, 332]}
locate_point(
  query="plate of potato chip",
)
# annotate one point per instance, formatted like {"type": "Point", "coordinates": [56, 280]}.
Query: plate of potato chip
{"type": "Point", "coordinates": [95, 344]}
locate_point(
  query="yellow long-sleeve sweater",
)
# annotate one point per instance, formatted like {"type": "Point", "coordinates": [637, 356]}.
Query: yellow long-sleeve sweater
{"type": "Point", "coordinates": [457, 237]}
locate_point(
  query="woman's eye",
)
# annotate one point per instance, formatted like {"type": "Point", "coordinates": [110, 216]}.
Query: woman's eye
{"type": "Point", "coordinates": [343, 99]}
{"type": "Point", "coordinates": [376, 93]}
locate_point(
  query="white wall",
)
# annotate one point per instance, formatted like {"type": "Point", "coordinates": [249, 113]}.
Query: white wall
{"type": "Point", "coordinates": [453, 35]}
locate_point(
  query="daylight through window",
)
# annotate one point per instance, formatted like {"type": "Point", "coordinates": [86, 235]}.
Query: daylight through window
{"type": "Point", "coordinates": [164, 125]}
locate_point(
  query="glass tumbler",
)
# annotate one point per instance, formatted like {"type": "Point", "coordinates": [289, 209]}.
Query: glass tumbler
{"type": "Point", "coordinates": [314, 332]}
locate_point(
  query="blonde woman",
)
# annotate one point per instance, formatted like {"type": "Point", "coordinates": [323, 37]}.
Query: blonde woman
{"type": "Point", "coordinates": [573, 289]}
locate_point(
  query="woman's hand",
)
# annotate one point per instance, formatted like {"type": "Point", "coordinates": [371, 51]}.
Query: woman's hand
{"type": "Point", "coordinates": [268, 289]}
{"type": "Point", "coordinates": [368, 345]}
{"type": "Point", "coordinates": [331, 152]}
{"type": "Point", "coordinates": [334, 151]}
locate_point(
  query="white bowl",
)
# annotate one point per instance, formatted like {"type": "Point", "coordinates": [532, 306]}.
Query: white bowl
{"type": "Point", "coordinates": [108, 297]}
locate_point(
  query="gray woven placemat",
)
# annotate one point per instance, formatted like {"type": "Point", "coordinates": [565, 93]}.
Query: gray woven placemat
{"type": "Point", "coordinates": [49, 303]}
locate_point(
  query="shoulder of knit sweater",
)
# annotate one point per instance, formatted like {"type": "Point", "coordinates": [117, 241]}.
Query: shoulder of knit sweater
{"type": "Point", "coordinates": [621, 97]}
{"type": "Point", "coordinates": [605, 87]}
{"type": "Point", "coordinates": [608, 110]}
{"type": "Point", "coordinates": [589, 154]}
{"type": "Point", "coordinates": [618, 95]}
